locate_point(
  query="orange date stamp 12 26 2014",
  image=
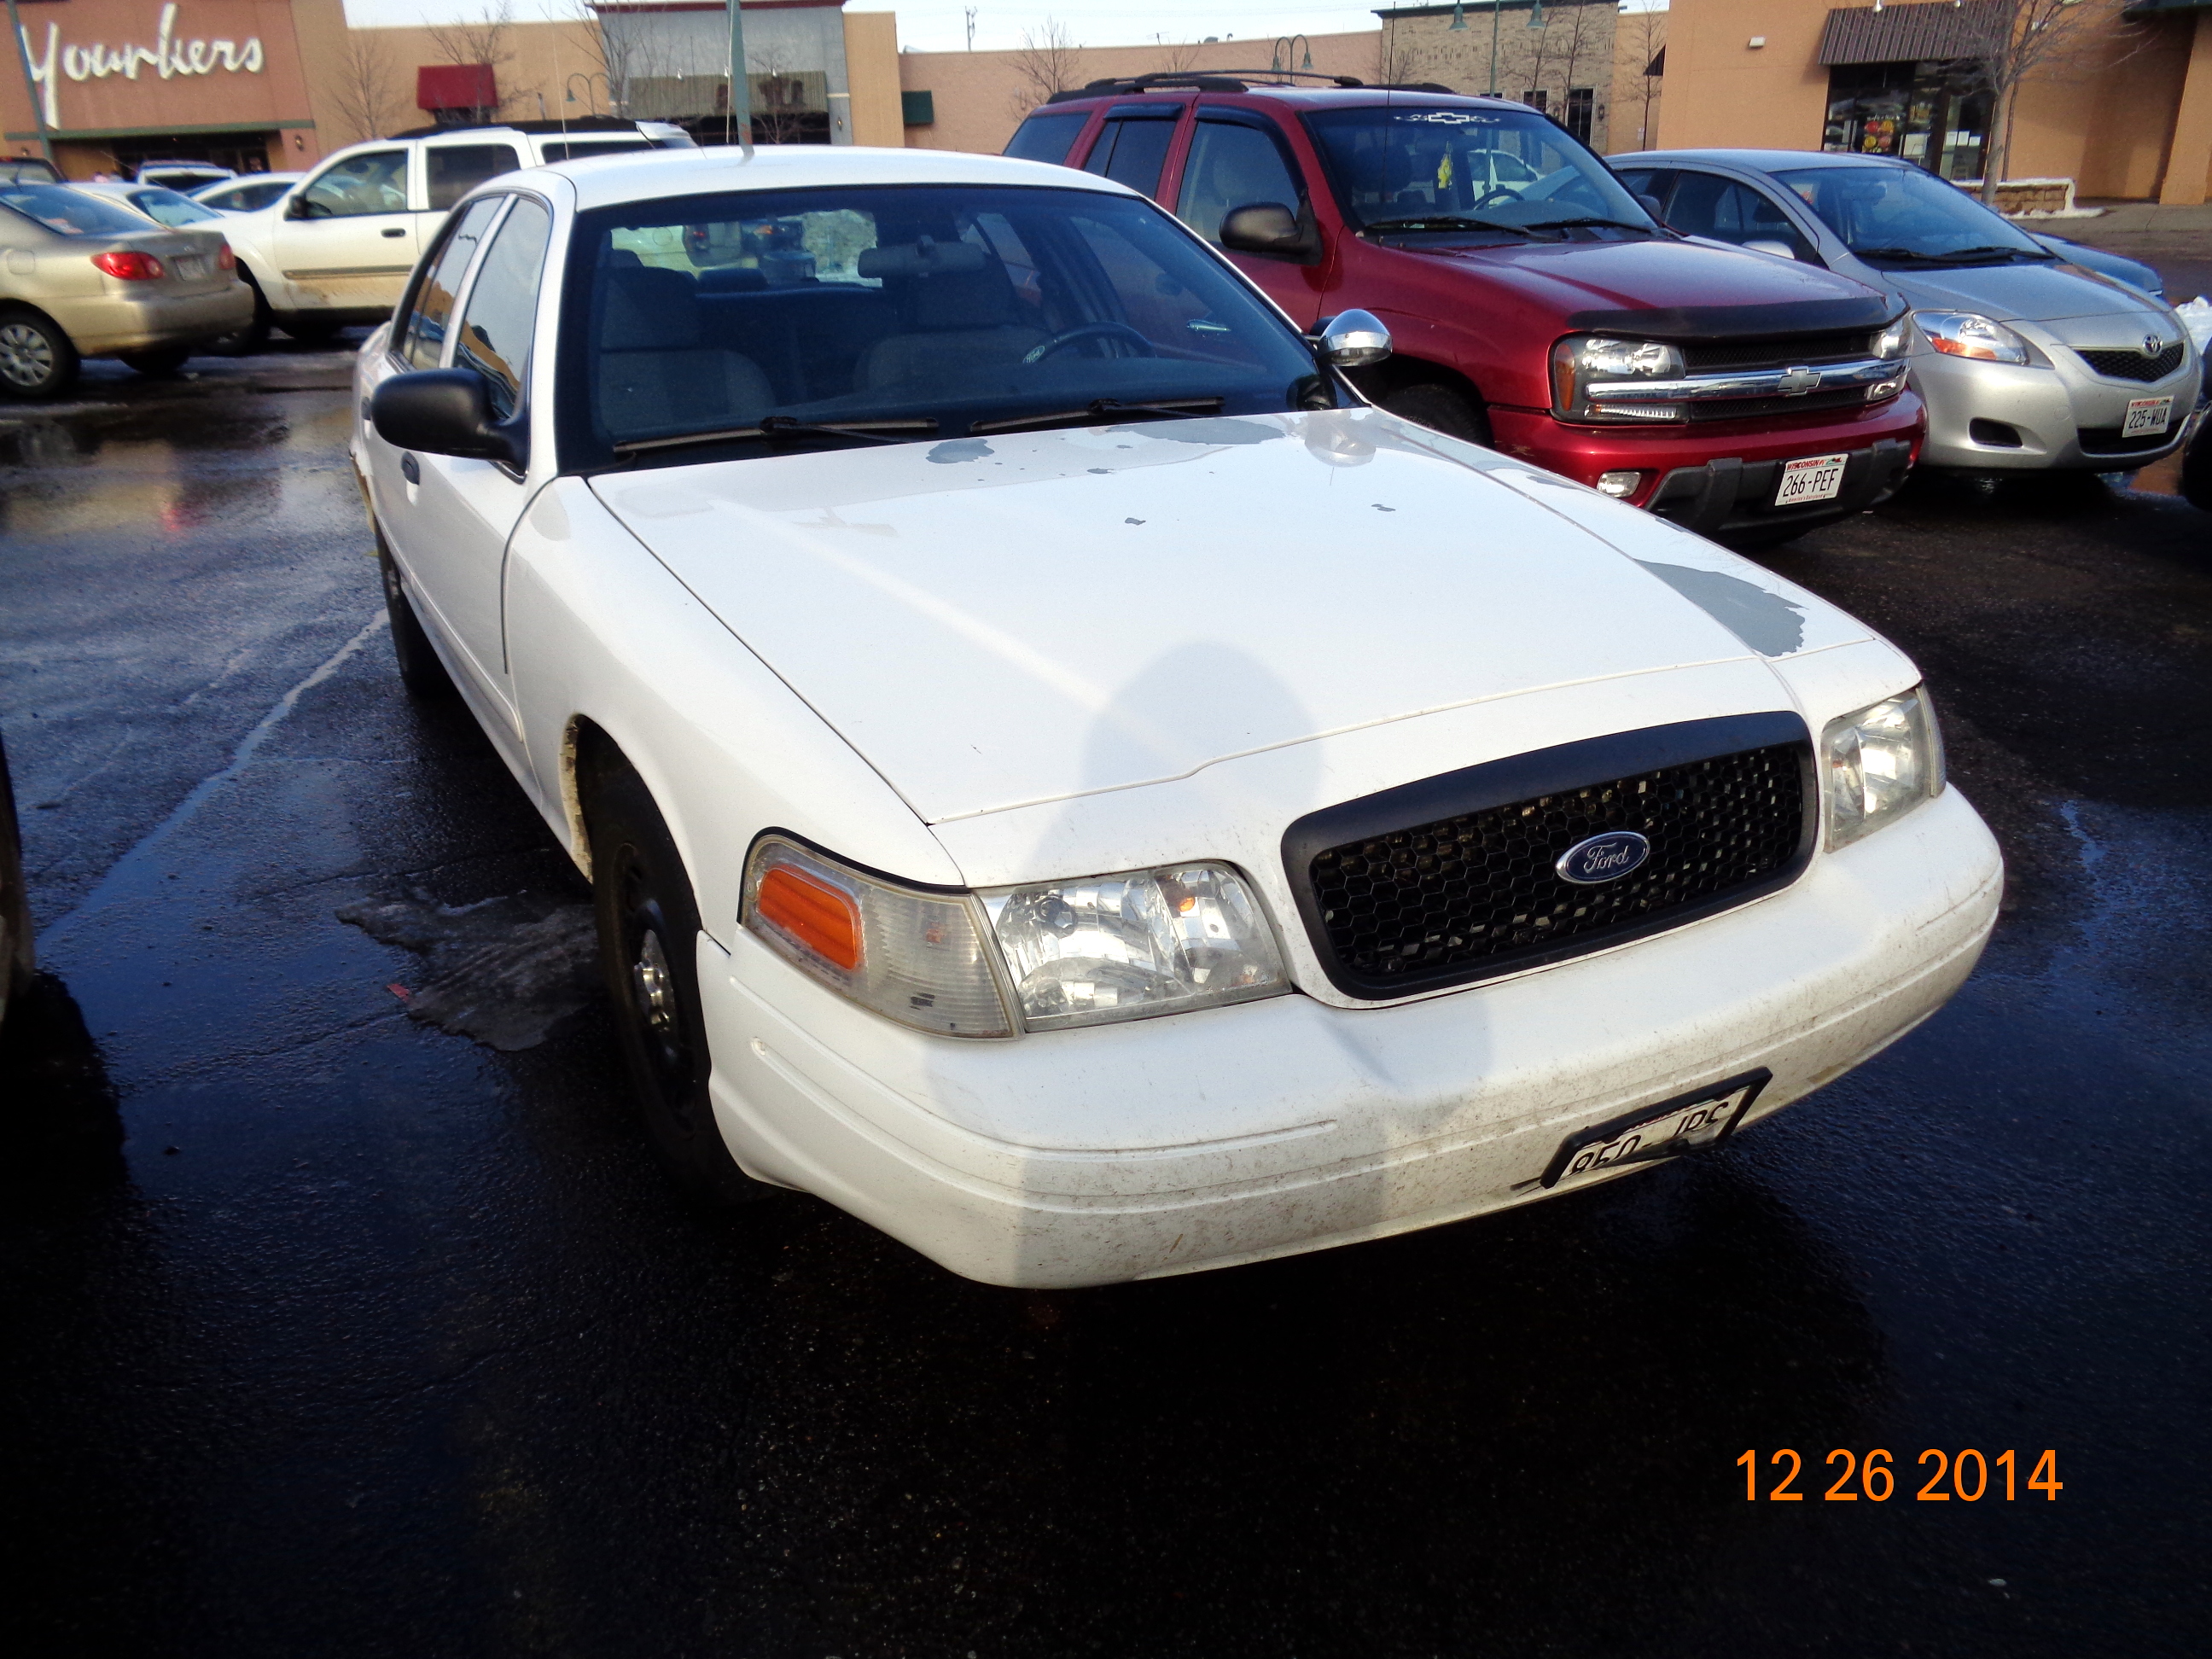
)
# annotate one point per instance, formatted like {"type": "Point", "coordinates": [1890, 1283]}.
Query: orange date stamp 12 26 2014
{"type": "Point", "coordinates": [1964, 1476]}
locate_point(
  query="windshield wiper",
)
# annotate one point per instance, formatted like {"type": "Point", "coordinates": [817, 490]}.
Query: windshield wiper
{"type": "Point", "coordinates": [777, 426]}
{"type": "Point", "coordinates": [1099, 408]}
{"type": "Point", "coordinates": [1444, 221]}
{"type": "Point", "coordinates": [1956, 257]}
{"type": "Point", "coordinates": [1588, 219]}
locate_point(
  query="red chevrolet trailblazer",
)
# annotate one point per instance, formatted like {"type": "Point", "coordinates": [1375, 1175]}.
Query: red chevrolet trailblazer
{"type": "Point", "coordinates": [1535, 306]}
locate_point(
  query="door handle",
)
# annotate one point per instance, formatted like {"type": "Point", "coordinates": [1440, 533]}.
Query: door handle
{"type": "Point", "coordinates": [395, 230]}
{"type": "Point", "coordinates": [410, 469]}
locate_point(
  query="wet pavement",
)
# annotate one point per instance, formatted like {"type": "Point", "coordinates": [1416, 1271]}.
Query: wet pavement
{"type": "Point", "coordinates": [334, 1332]}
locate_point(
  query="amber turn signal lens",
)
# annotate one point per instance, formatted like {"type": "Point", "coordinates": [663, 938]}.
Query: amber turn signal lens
{"type": "Point", "coordinates": [814, 913]}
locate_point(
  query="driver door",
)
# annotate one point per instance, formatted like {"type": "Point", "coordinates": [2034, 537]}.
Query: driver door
{"type": "Point", "coordinates": [347, 240]}
{"type": "Point", "coordinates": [1232, 164]}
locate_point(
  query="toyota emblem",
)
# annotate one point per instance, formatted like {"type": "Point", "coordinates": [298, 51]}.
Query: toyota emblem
{"type": "Point", "coordinates": [2153, 345]}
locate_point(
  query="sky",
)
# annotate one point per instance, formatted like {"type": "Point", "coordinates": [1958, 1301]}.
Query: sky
{"type": "Point", "coordinates": [941, 25]}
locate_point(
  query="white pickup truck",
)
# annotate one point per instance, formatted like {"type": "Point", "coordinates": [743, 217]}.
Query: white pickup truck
{"type": "Point", "coordinates": [336, 248]}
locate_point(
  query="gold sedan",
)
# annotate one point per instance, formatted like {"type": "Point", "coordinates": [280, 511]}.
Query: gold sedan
{"type": "Point", "coordinates": [84, 277]}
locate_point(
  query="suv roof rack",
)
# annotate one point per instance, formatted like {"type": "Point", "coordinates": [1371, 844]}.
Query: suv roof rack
{"type": "Point", "coordinates": [1236, 81]}
{"type": "Point", "coordinates": [578, 124]}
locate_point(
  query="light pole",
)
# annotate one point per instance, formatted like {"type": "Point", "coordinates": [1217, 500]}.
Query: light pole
{"type": "Point", "coordinates": [30, 85]}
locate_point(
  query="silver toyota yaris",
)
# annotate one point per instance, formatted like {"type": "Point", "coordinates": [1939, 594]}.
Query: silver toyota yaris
{"type": "Point", "coordinates": [2026, 359]}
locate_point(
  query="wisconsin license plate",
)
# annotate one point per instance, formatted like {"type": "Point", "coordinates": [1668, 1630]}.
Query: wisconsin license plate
{"type": "Point", "coordinates": [2147, 416]}
{"type": "Point", "coordinates": [1815, 478]}
{"type": "Point", "coordinates": [1674, 1127]}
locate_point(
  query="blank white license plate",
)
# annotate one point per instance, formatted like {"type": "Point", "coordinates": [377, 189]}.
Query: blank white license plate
{"type": "Point", "coordinates": [1677, 1126]}
{"type": "Point", "coordinates": [191, 267]}
{"type": "Point", "coordinates": [1815, 478]}
{"type": "Point", "coordinates": [2147, 415]}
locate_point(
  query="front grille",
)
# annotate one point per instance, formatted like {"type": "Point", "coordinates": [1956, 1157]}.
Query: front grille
{"type": "Point", "coordinates": [1476, 894]}
{"type": "Point", "coordinates": [2110, 441]}
{"type": "Point", "coordinates": [1747, 408]}
{"type": "Point", "coordinates": [1712, 356]}
{"type": "Point", "coordinates": [2128, 364]}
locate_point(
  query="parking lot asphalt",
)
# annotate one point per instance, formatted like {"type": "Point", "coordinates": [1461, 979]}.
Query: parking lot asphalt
{"type": "Point", "coordinates": [332, 1333]}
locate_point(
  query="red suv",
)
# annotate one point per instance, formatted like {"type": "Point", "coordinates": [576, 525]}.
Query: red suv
{"type": "Point", "coordinates": [1535, 305]}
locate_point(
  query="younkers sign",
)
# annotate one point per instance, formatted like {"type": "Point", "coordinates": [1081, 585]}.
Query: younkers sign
{"type": "Point", "coordinates": [166, 57]}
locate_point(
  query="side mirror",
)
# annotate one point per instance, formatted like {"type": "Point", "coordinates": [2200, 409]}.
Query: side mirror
{"type": "Point", "coordinates": [448, 411]}
{"type": "Point", "coordinates": [1271, 229]}
{"type": "Point", "coordinates": [1650, 205]}
{"type": "Point", "coordinates": [1762, 244]}
{"type": "Point", "coordinates": [1351, 339]}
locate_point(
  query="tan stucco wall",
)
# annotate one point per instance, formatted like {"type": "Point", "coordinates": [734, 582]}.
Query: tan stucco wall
{"type": "Point", "coordinates": [1639, 39]}
{"type": "Point", "coordinates": [871, 71]}
{"type": "Point", "coordinates": [2104, 124]}
{"type": "Point", "coordinates": [981, 96]}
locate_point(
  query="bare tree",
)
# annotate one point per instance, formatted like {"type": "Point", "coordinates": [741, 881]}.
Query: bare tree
{"type": "Point", "coordinates": [1643, 36]}
{"type": "Point", "coordinates": [1403, 59]}
{"type": "Point", "coordinates": [2013, 42]}
{"type": "Point", "coordinates": [1579, 37]}
{"type": "Point", "coordinates": [1181, 58]}
{"type": "Point", "coordinates": [488, 38]}
{"type": "Point", "coordinates": [779, 107]}
{"type": "Point", "coordinates": [364, 87]}
{"type": "Point", "coordinates": [1048, 62]}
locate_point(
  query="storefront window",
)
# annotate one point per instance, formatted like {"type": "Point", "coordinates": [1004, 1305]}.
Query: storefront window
{"type": "Point", "coordinates": [1932, 114]}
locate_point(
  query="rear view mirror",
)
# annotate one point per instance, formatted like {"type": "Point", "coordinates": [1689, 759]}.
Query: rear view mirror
{"type": "Point", "coordinates": [1271, 229]}
{"type": "Point", "coordinates": [446, 412]}
{"type": "Point", "coordinates": [1352, 339]}
{"type": "Point", "coordinates": [1779, 249]}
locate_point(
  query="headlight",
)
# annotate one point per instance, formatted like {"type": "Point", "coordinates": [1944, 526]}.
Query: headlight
{"type": "Point", "coordinates": [1584, 365]}
{"type": "Point", "coordinates": [1893, 340]}
{"type": "Point", "coordinates": [1966, 334]}
{"type": "Point", "coordinates": [1129, 945]}
{"type": "Point", "coordinates": [913, 956]}
{"type": "Point", "coordinates": [1881, 762]}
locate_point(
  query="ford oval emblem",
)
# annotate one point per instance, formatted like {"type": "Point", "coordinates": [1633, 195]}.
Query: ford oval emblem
{"type": "Point", "coordinates": [1602, 858]}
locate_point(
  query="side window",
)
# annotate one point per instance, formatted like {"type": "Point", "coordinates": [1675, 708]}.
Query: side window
{"type": "Point", "coordinates": [1705, 204]}
{"type": "Point", "coordinates": [1131, 152]}
{"type": "Point", "coordinates": [372, 183]}
{"type": "Point", "coordinates": [1047, 137]}
{"type": "Point", "coordinates": [495, 336]}
{"type": "Point", "coordinates": [422, 337]}
{"type": "Point", "coordinates": [1642, 182]}
{"type": "Point", "coordinates": [457, 169]}
{"type": "Point", "coordinates": [1231, 166]}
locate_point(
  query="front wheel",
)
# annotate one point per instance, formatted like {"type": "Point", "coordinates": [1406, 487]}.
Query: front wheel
{"type": "Point", "coordinates": [36, 358]}
{"type": "Point", "coordinates": [1440, 409]}
{"type": "Point", "coordinates": [2196, 470]}
{"type": "Point", "coordinates": [648, 927]}
{"type": "Point", "coordinates": [158, 365]}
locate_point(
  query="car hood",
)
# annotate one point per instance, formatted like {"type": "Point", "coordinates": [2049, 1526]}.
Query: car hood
{"type": "Point", "coordinates": [998, 622]}
{"type": "Point", "coordinates": [1591, 284]}
{"type": "Point", "coordinates": [2035, 294]}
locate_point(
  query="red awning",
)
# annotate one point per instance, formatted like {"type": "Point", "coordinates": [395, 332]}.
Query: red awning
{"type": "Point", "coordinates": [456, 86]}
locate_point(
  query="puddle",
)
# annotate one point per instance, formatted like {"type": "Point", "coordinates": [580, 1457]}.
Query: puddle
{"type": "Point", "coordinates": [502, 971]}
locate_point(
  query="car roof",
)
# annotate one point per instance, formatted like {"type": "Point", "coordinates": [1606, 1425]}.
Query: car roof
{"type": "Point", "coordinates": [1304, 98]}
{"type": "Point", "coordinates": [643, 176]}
{"type": "Point", "coordinates": [1758, 160]}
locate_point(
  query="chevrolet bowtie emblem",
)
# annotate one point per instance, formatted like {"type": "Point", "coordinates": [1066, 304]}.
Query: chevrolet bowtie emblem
{"type": "Point", "coordinates": [1797, 382]}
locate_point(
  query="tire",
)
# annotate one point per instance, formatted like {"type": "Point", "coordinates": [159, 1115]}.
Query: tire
{"type": "Point", "coordinates": [310, 331]}
{"type": "Point", "coordinates": [420, 671]}
{"type": "Point", "coordinates": [245, 342]}
{"type": "Point", "coordinates": [2196, 469]}
{"type": "Point", "coordinates": [36, 357]}
{"type": "Point", "coordinates": [1440, 409]}
{"type": "Point", "coordinates": [648, 928]}
{"type": "Point", "coordinates": [158, 365]}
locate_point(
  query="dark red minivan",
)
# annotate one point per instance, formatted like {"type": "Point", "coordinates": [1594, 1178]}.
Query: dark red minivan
{"type": "Point", "coordinates": [1535, 306]}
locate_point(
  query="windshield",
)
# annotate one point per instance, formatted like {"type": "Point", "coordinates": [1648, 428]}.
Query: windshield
{"type": "Point", "coordinates": [911, 312]}
{"type": "Point", "coordinates": [72, 212]}
{"type": "Point", "coordinates": [1899, 215]}
{"type": "Point", "coordinates": [168, 208]}
{"type": "Point", "coordinates": [1508, 168]}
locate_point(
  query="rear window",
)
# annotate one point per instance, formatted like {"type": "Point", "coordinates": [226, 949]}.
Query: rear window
{"type": "Point", "coordinates": [1046, 137]}
{"type": "Point", "coordinates": [578, 150]}
{"type": "Point", "coordinates": [457, 169]}
{"type": "Point", "coordinates": [71, 212]}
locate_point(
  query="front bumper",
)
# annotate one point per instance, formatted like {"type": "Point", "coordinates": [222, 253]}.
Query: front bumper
{"type": "Point", "coordinates": [109, 324]}
{"type": "Point", "coordinates": [2010, 418]}
{"type": "Point", "coordinates": [1207, 1140]}
{"type": "Point", "coordinates": [1720, 478]}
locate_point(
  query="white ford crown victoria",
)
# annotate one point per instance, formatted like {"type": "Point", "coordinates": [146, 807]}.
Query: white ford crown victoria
{"type": "Point", "coordinates": [1066, 781]}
